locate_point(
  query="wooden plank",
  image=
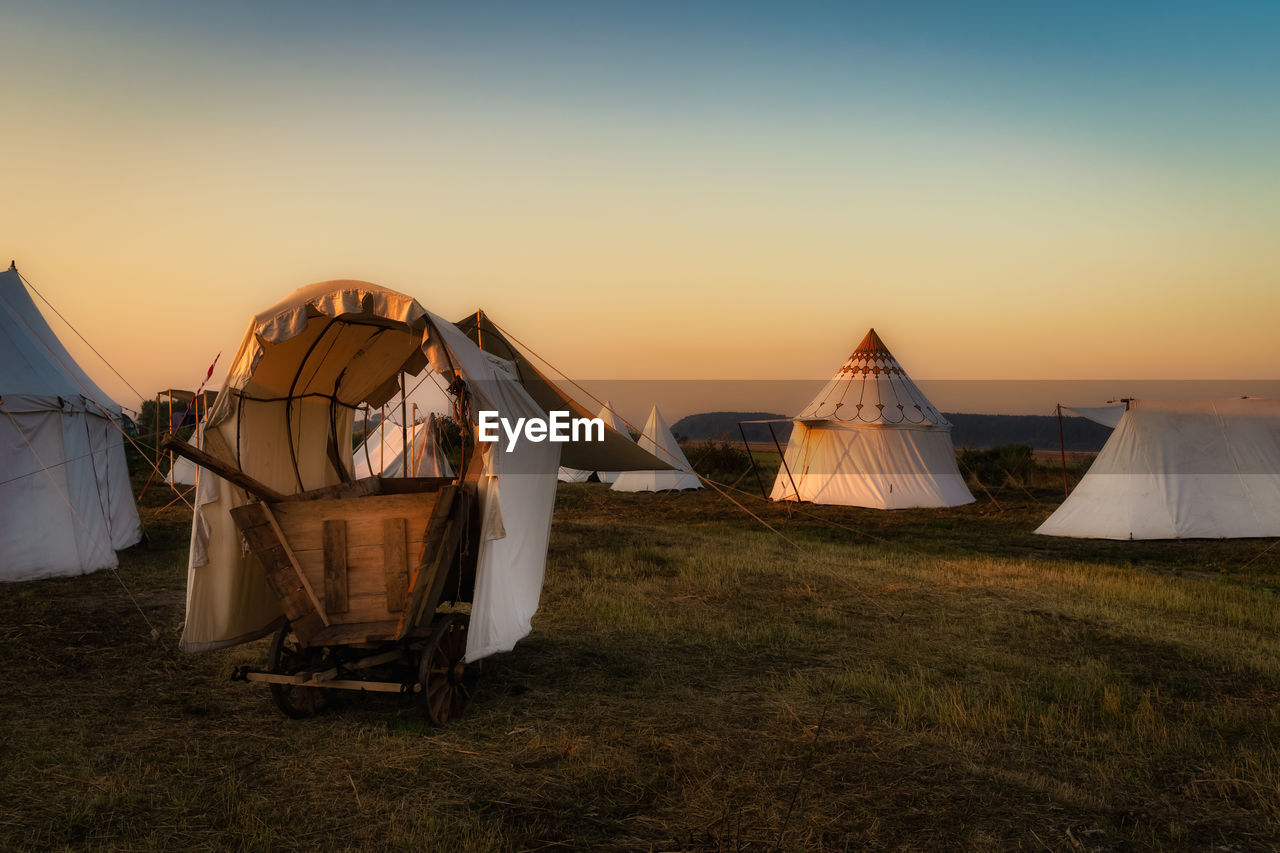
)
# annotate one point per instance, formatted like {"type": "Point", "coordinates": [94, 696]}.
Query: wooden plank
{"type": "Point", "coordinates": [448, 550]}
{"type": "Point", "coordinates": [365, 575]}
{"type": "Point", "coordinates": [420, 576]}
{"type": "Point", "coordinates": [227, 472]}
{"type": "Point", "coordinates": [335, 684]}
{"type": "Point", "coordinates": [365, 608]}
{"type": "Point", "coordinates": [280, 574]}
{"type": "Point", "coordinates": [413, 485]}
{"type": "Point", "coordinates": [356, 489]}
{"type": "Point", "coordinates": [395, 562]}
{"type": "Point", "coordinates": [293, 561]}
{"type": "Point", "coordinates": [335, 566]}
{"type": "Point", "coordinates": [216, 445]}
{"type": "Point", "coordinates": [302, 521]}
{"type": "Point", "coordinates": [360, 632]}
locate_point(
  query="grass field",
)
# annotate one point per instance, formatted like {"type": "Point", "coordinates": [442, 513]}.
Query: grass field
{"type": "Point", "coordinates": [910, 680]}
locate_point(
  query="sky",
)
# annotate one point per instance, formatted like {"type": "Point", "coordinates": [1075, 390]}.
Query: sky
{"type": "Point", "coordinates": [656, 190]}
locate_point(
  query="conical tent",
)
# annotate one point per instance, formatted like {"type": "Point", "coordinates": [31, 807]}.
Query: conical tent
{"type": "Point", "coordinates": [576, 475]}
{"type": "Point", "coordinates": [611, 420]}
{"type": "Point", "coordinates": [658, 440]}
{"type": "Point", "coordinates": [1180, 469]}
{"type": "Point", "coordinates": [66, 505]}
{"type": "Point", "coordinates": [382, 451]}
{"type": "Point", "coordinates": [871, 438]}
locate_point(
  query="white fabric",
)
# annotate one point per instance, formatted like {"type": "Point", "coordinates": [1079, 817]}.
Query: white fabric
{"type": "Point", "coordinates": [228, 600]}
{"type": "Point", "coordinates": [184, 472]}
{"type": "Point", "coordinates": [658, 440]}
{"type": "Point", "coordinates": [575, 475]}
{"type": "Point", "coordinates": [520, 488]}
{"type": "Point", "coordinates": [1108, 416]}
{"type": "Point", "coordinates": [871, 438]}
{"type": "Point", "coordinates": [383, 450]}
{"type": "Point", "coordinates": [611, 419]}
{"type": "Point", "coordinates": [1177, 469]}
{"type": "Point", "coordinates": [517, 495]}
{"type": "Point", "coordinates": [66, 504]}
{"type": "Point", "coordinates": [877, 467]}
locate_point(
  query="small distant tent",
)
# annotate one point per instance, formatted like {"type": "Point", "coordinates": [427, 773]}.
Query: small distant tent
{"type": "Point", "coordinates": [576, 475]}
{"type": "Point", "coordinates": [1207, 469]}
{"type": "Point", "coordinates": [66, 505]}
{"type": "Point", "coordinates": [611, 420]}
{"type": "Point", "coordinates": [872, 439]}
{"type": "Point", "coordinates": [382, 451]}
{"type": "Point", "coordinates": [658, 440]}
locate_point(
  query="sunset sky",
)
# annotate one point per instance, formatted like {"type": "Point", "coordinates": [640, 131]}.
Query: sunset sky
{"type": "Point", "coordinates": [658, 190]}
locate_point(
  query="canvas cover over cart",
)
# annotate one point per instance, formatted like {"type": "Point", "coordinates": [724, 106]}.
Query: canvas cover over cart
{"type": "Point", "coordinates": [397, 585]}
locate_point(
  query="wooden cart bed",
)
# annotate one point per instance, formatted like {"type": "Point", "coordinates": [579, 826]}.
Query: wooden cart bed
{"type": "Point", "coordinates": [359, 569]}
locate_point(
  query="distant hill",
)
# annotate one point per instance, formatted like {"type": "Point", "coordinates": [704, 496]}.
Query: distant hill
{"type": "Point", "coordinates": [1039, 431]}
{"type": "Point", "coordinates": [724, 425]}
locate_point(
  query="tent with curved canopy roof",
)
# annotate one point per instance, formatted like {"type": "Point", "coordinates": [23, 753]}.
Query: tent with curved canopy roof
{"type": "Point", "coordinates": [284, 418]}
{"type": "Point", "coordinates": [871, 438]}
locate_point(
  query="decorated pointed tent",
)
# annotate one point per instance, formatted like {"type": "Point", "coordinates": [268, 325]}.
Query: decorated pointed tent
{"type": "Point", "coordinates": [871, 438]}
{"type": "Point", "coordinates": [576, 475]}
{"type": "Point", "coordinates": [1181, 469]}
{"type": "Point", "coordinates": [658, 440]}
{"type": "Point", "coordinates": [382, 451]}
{"type": "Point", "coordinates": [66, 505]}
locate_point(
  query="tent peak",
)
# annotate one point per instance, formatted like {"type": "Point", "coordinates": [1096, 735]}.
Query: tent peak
{"type": "Point", "coordinates": [871, 346]}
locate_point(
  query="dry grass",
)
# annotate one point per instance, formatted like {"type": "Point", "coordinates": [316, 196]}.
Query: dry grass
{"type": "Point", "coordinates": [940, 680]}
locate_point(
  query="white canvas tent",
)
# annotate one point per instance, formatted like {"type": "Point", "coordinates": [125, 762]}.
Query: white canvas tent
{"type": "Point", "coordinates": [577, 475]}
{"type": "Point", "coordinates": [658, 440]}
{"type": "Point", "coordinates": [872, 439]}
{"type": "Point", "coordinates": [382, 451]}
{"type": "Point", "coordinates": [66, 505]}
{"type": "Point", "coordinates": [1179, 470]}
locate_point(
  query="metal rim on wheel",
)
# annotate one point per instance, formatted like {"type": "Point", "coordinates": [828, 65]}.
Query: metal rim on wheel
{"type": "Point", "coordinates": [288, 657]}
{"type": "Point", "coordinates": [447, 682]}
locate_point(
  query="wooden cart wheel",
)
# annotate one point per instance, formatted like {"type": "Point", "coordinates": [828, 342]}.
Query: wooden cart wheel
{"type": "Point", "coordinates": [448, 683]}
{"type": "Point", "coordinates": [287, 657]}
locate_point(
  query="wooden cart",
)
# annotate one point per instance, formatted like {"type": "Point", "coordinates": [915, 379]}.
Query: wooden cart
{"type": "Point", "coordinates": [369, 575]}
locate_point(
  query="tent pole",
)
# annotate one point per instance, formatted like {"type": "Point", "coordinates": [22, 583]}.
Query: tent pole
{"type": "Point", "coordinates": [170, 425]}
{"type": "Point", "coordinates": [404, 430]}
{"type": "Point", "coordinates": [1062, 452]}
{"type": "Point", "coordinates": [754, 469]}
{"type": "Point", "coordinates": [783, 456]}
